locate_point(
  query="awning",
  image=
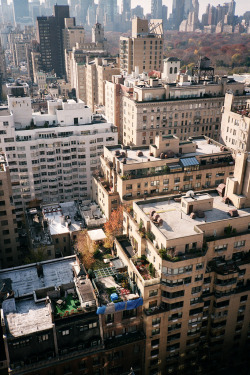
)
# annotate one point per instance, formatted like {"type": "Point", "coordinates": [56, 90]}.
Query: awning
{"type": "Point", "coordinates": [189, 162]}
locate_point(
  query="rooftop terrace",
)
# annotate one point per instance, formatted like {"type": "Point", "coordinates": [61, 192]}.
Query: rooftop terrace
{"type": "Point", "coordinates": [132, 157]}
{"type": "Point", "coordinates": [177, 224]}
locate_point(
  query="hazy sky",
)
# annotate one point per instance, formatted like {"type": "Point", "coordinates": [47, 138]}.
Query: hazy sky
{"type": "Point", "coordinates": [241, 5]}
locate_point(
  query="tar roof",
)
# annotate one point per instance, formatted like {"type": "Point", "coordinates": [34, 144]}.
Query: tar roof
{"type": "Point", "coordinates": [25, 279]}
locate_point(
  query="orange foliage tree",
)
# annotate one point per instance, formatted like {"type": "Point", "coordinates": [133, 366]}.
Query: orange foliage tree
{"type": "Point", "coordinates": [85, 251]}
{"type": "Point", "coordinates": [113, 227]}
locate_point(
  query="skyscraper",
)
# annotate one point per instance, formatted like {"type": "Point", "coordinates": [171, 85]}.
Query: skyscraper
{"type": "Point", "coordinates": [126, 9]}
{"type": "Point", "coordinates": [50, 38]}
{"type": "Point", "coordinates": [156, 9]}
{"type": "Point", "coordinates": [178, 12]}
{"type": "Point", "coordinates": [20, 9]}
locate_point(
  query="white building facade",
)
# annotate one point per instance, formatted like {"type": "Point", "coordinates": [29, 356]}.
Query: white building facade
{"type": "Point", "coordinates": [53, 157]}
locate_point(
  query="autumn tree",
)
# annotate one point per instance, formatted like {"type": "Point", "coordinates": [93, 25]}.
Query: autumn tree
{"type": "Point", "coordinates": [86, 252]}
{"type": "Point", "coordinates": [113, 227]}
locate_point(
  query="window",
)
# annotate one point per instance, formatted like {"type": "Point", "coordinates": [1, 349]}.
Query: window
{"type": "Point", "coordinates": [43, 338]}
{"type": "Point", "coordinates": [199, 266]}
{"type": "Point", "coordinates": [156, 321]}
{"type": "Point", "coordinates": [155, 331]}
{"type": "Point", "coordinates": [196, 289]}
{"type": "Point", "coordinates": [155, 342]}
{"type": "Point", "coordinates": [126, 314]}
{"type": "Point", "coordinates": [153, 292]}
{"type": "Point", "coordinates": [109, 318]}
{"type": "Point", "coordinates": [65, 332]}
{"type": "Point", "coordinates": [220, 247]}
{"type": "Point", "coordinates": [198, 278]}
{"type": "Point", "coordinates": [239, 243]}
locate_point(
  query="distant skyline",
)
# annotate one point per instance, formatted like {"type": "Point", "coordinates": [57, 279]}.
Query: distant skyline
{"type": "Point", "coordinates": [242, 6]}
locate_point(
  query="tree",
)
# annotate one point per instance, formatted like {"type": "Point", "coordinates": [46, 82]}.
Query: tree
{"type": "Point", "coordinates": [113, 227]}
{"type": "Point", "coordinates": [86, 253]}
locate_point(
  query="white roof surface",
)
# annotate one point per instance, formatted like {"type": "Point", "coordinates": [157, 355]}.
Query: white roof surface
{"type": "Point", "coordinates": [29, 317]}
{"type": "Point", "coordinates": [56, 218]}
{"type": "Point", "coordinates": [96, 235]}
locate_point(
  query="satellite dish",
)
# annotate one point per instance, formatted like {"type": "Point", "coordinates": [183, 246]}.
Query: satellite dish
{"type": "Point", "coordinates": [190, 194]}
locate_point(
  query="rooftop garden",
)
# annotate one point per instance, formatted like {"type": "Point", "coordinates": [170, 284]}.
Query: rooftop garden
{"type": "Point", "coordinates": [67, 306]}
{"type": "Point", "coordinates": [146, 269]}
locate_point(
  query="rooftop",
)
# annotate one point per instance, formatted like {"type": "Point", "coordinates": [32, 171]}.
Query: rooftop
{"type": "Point", "coordinates": [63, 218]}
{"type": "Point", "coordinates": [43, 293]}
{"type": "Point", "coordinates": [4, 111]}
{"type": "Point", "coordinates": [132, 155]}
{"type": "Point", "coordinates": [38, 231]}
{"type": "Point", "coordinates": [177, 224]}
{"type": "Point", "coordinates": [24, 279]}
{"type": "Point", "coordinates": [26, 316]}
{"type": "Point", "coordinates": [97, 235]}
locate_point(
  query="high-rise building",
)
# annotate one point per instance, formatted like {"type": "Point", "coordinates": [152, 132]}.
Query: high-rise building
{"type": "Point", "coordinates": [156, 9]}
{"type": "Point", "coordinates": [58, 152]}
{"type": "Point", "coordinates": [9, 242]}
{"type": "Point", "coordinates": [144, 49]}
{"type": "Point", "coordinates": [126, 7]}
{"type": "Point", "coordinates": [20, 9]}
{"type": "Point", "coordinates": [50, 38]}
{"type": "Point", "coordinates": [178, 12]}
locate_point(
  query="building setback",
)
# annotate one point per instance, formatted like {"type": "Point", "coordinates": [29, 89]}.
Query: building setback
{"type": "Point", "coordinates": [170, 166]}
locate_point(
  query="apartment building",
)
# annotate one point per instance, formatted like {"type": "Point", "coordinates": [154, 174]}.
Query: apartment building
{"type": "Point", "coordinates": [188, 257]}
{"type": "Point", "coordinates": [144, 49]}
{"type": "Point", "coordinates": [235, 124]}
{"type": "Point", "coordinates": [97, 72]}
{"type": "Point", "coordinates": [78, 52]}
{"type": "Point", "coordinates": [168, 167]}
{"type": "Point", "coordinates": [53, 323]}
{"type": "Point", "coordinates": [72, 34]}
{"type": "Point", "coordinates": [52, 155]}
{"type": "Point", "coordinates": [149, 107]}
{"type": "Point", "coordinates": [9, 242]}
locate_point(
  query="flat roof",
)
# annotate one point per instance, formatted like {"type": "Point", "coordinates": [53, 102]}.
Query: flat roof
{"type": "Point", "coordinates": [96, 235]}
{"type": "Point", "coordinates": [25, 279]}
{"type": "Point", "coordinates": [57, 218]}
{"type": "Point", "coordinates": [203, 148]}
{"type": "Point", "coordinates": [177, 224]}
{"type": "Point", "coordinates": [4, 111]}
{"type": "Point", "coordinates": [29, 317]}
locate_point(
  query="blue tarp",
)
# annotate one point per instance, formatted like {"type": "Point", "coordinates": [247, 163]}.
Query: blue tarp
{"type": "Point", "coordinates": [101, 310]}
{"type": "Point", "coordinates": [134, 303]}
{"type": "Point", "coordinates": [114, 297]}
{"type": "Point", "coordinates": [119, 306]}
